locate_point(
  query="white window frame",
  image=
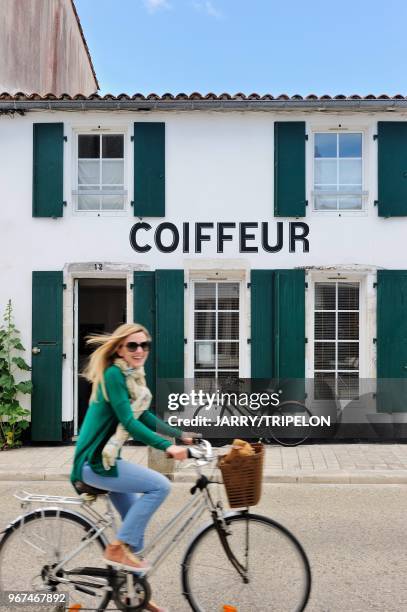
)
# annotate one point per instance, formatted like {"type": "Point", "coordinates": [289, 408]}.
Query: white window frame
{"type": "Point", "coordinates": [79, 131]}
{"type": "Point", "coordinates": [367, 317]}
{"type": "Point", "coordinates": [335, 129]}
{"type": "Point", "coordinates": [226, 277]}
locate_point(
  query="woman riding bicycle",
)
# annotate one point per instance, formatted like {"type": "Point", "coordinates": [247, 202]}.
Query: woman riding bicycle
{"type": "Point", "coordinates": [119, 404]}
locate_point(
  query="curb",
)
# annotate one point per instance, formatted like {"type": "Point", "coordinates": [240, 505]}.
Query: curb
{"type": "Point", "coordinates": [356, 477]}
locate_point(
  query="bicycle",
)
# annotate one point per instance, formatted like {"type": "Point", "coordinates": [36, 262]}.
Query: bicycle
{"type": "Point", "coordinates": [238, 558]}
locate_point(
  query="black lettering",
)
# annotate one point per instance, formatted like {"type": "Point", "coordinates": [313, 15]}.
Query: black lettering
{"type": "Point", "coordinates": [175, 237]}
{"type": "Point", "coordinates": [244, 237]}
{"type": "Point", "coordinates": [185, 237]}
{"type": "Point", "coordinates": [199, 237]}
{"type": "Point", "coordinates": [133, 237]}
{"type": "Point", "coordinates": [265, 238]}
{"type": "Point", "coordinates": [301, 237]}
{"type": "Point", "coordinates": [222, 237]}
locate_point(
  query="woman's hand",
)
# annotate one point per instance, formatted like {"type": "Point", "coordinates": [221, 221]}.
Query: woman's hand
{"type": "Point", "coordinates": [189, 437]}
{"type": "Point", "coordinates": [177, 452]}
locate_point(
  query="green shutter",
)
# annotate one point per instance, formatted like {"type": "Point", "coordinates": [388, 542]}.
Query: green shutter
{"type": "Point", "coordinates": [262, 330]}
{"type": "Point", "coordinates": [392, 168]}
{"type": "Point", "coordinates": [149, 169]}
{"type": "Point", "coordinates": [391, 340]}
{"type": "Point", "coordinates": [289, 169]}
{"type": "Point", "coordinates": [290, 323]}
{"type": "Point", "coordinates": [48, 169]}
{"type": "Point", "coordinates": [278, 323]}
{"type": "Point", "coordinates": [144, 313]}
{"type": "Point", "coordinates": [170, 323]}
{"type": "Point", "coordinates": [46, 403]}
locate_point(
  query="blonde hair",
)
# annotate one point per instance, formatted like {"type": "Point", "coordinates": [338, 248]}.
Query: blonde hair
{"type": "Point", "coordinates": [105, 354]}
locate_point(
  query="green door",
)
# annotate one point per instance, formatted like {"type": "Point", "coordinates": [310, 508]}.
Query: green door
{"type": "Point", "coordinates": [392, 340]}
{"type": "Point", "coordinates": [46, 403]}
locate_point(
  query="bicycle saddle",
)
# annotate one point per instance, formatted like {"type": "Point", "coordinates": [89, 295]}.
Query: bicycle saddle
{"type": "Point", "coordinates": [81, 487]}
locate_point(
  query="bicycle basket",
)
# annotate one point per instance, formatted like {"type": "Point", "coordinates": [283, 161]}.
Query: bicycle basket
{"type": "Point", "coordinates": [242, 477]}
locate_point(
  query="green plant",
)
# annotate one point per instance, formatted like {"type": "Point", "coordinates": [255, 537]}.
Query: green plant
{"type": "Point", "coordinates": [12, 415]}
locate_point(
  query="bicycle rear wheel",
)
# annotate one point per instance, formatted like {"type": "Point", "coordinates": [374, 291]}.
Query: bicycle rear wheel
{"type": "Point", "coordinates": [277, 568]}
{"type": "Point", "coordinates": [35, 543]}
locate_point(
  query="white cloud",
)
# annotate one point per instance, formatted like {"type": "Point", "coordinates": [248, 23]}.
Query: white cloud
{"type": "Point", "coordinates": [154, 5]}
{"type": "Point", "coordinates": [206, 6]}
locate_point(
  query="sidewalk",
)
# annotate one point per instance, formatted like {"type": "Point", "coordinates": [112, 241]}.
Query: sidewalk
{"type": "Point", "coordinates": [314, 463]}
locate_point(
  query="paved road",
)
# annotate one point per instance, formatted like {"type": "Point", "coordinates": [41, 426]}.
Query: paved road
{"type": "Point", "coordinates": [355, 536]}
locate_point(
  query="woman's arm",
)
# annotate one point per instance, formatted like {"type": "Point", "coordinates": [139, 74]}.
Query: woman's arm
{"type": "Point", "coordinates": [119, 400]}
{"type": "Point", "coordinates": [155, 423]}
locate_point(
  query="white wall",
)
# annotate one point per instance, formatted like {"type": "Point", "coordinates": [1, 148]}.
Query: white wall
{"type": "Point", "coordinates": [219, 167]}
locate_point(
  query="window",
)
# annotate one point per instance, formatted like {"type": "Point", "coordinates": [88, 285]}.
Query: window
{"type": "Point", "coordinates": [100, 172]}
{"type": "Point", "coordinates": [336, 339]}
{"type": "Point", "coordinates": [338, 171]}
{"type": "Point", "coordinates": [216, 330]}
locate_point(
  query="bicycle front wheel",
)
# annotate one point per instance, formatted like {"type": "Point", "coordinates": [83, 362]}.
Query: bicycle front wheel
{"type": "Point", "coordinates": [277, 572]}
{"type": "Point", "coordinates": [37, 542]}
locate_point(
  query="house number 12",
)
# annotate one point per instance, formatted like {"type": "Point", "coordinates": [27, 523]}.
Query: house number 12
{"type": "Point", "coordinates": [98, 266]}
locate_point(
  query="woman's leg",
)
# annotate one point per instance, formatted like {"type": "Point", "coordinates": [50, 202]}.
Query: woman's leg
{"type": "Point", "coordinates": [132, 478]}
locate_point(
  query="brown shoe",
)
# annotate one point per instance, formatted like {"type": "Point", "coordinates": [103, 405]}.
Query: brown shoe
{"type": "Point", "coordinates": [121, 555]}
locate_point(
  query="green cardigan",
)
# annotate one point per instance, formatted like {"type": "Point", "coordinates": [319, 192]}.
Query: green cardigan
{"type": "Point", "coordinates": [102, 418]}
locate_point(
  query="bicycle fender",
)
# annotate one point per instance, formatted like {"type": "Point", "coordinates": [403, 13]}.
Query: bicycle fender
{"type": "Point", "coordinates": [206, 526]}
{"type": "Point", "coordinates": [23, 517]}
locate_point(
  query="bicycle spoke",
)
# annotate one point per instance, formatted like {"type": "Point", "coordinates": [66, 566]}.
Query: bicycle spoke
{"type": "Point", "coordinates": [26, 560]}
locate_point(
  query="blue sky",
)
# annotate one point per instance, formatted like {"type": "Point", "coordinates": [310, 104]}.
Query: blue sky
{"type": "Point", "coordinates": [263, 46]}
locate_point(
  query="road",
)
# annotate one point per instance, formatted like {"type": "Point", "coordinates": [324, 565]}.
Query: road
{"type": "Point", "coordinates": [355, 537]}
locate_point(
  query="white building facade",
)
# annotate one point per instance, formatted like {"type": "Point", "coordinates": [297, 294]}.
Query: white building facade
{"type": "Point", "coordinates": [255, 237]}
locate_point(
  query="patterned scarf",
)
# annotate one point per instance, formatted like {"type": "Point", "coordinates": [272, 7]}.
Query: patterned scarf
{"type": "Point", "coordinates": [139, 393]}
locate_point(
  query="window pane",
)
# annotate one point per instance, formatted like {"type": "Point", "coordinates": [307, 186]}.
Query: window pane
{"type": "Point", "coordinates": [350, 145]}
{"type": "Point", "coordinates": [205, 381]}
{"type": "Point", "coordinates": [348, 386]}
{"type": "Point", "coordinates": [325, 145]}
{"type": "Point", "coordinates": [228, 296]}
{"type": "Point", "coordinates": [112, 172]}
{"type": "Point", "coordinates": [88, 145]}
{"type": "Point", "coordinates": [228, 325]}
{"type": "Point", "coordinates": [350, 203]}
{"type": "Point", "coordinates": [112, 202]}
{"type": "Point", "coordinates": [205, 296]}
{"type": "Point", "coordinates": [324, 385]}
{"type": "Point", "coordinates": [325, 171]}
{"type": "Point", "coordinates": [348, 296]}
{"type": "Point", "coordinates": [205, 355]}
{"type": "Point", "coordinates": [350, 172]}
{"type": "Point", "coordinates": [326, 203]}
{"type": "Point", "coordinates": [205, 325]}
{"type": "Point", "coordinates": [88, 202]}
{"type": "Point", "coordinates": [88, 172]}
{"type": "Point", "coordinates": [324, 356]}
{"type": "Point", "coordinates": [348, 355]}
{"type": "Point", "coordinates": [113, 145]}
{"type": "Point", "coordinates": [325, 296]}
{"type": "Point", "coordinates": [228, 355]}
{"type": "Point", "coordinates": [325, 325]}
{"type": "Point", "coordinates": [348, 325]}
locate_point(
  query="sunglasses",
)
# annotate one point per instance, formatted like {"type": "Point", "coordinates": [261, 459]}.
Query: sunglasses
{"type": "Point", "coordinates": [133, 346]}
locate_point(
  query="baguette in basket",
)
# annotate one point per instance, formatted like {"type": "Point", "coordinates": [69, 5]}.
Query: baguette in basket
{"type": "Point", "coordinates": [239, 448]}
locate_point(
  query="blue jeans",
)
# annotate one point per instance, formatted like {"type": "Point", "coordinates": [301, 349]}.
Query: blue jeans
{"type": "Point", "coordinates": [135, 511]}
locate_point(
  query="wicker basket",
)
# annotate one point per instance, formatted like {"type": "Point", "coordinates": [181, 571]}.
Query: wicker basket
{"type": "Point", "coordinates": [242, 477]}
